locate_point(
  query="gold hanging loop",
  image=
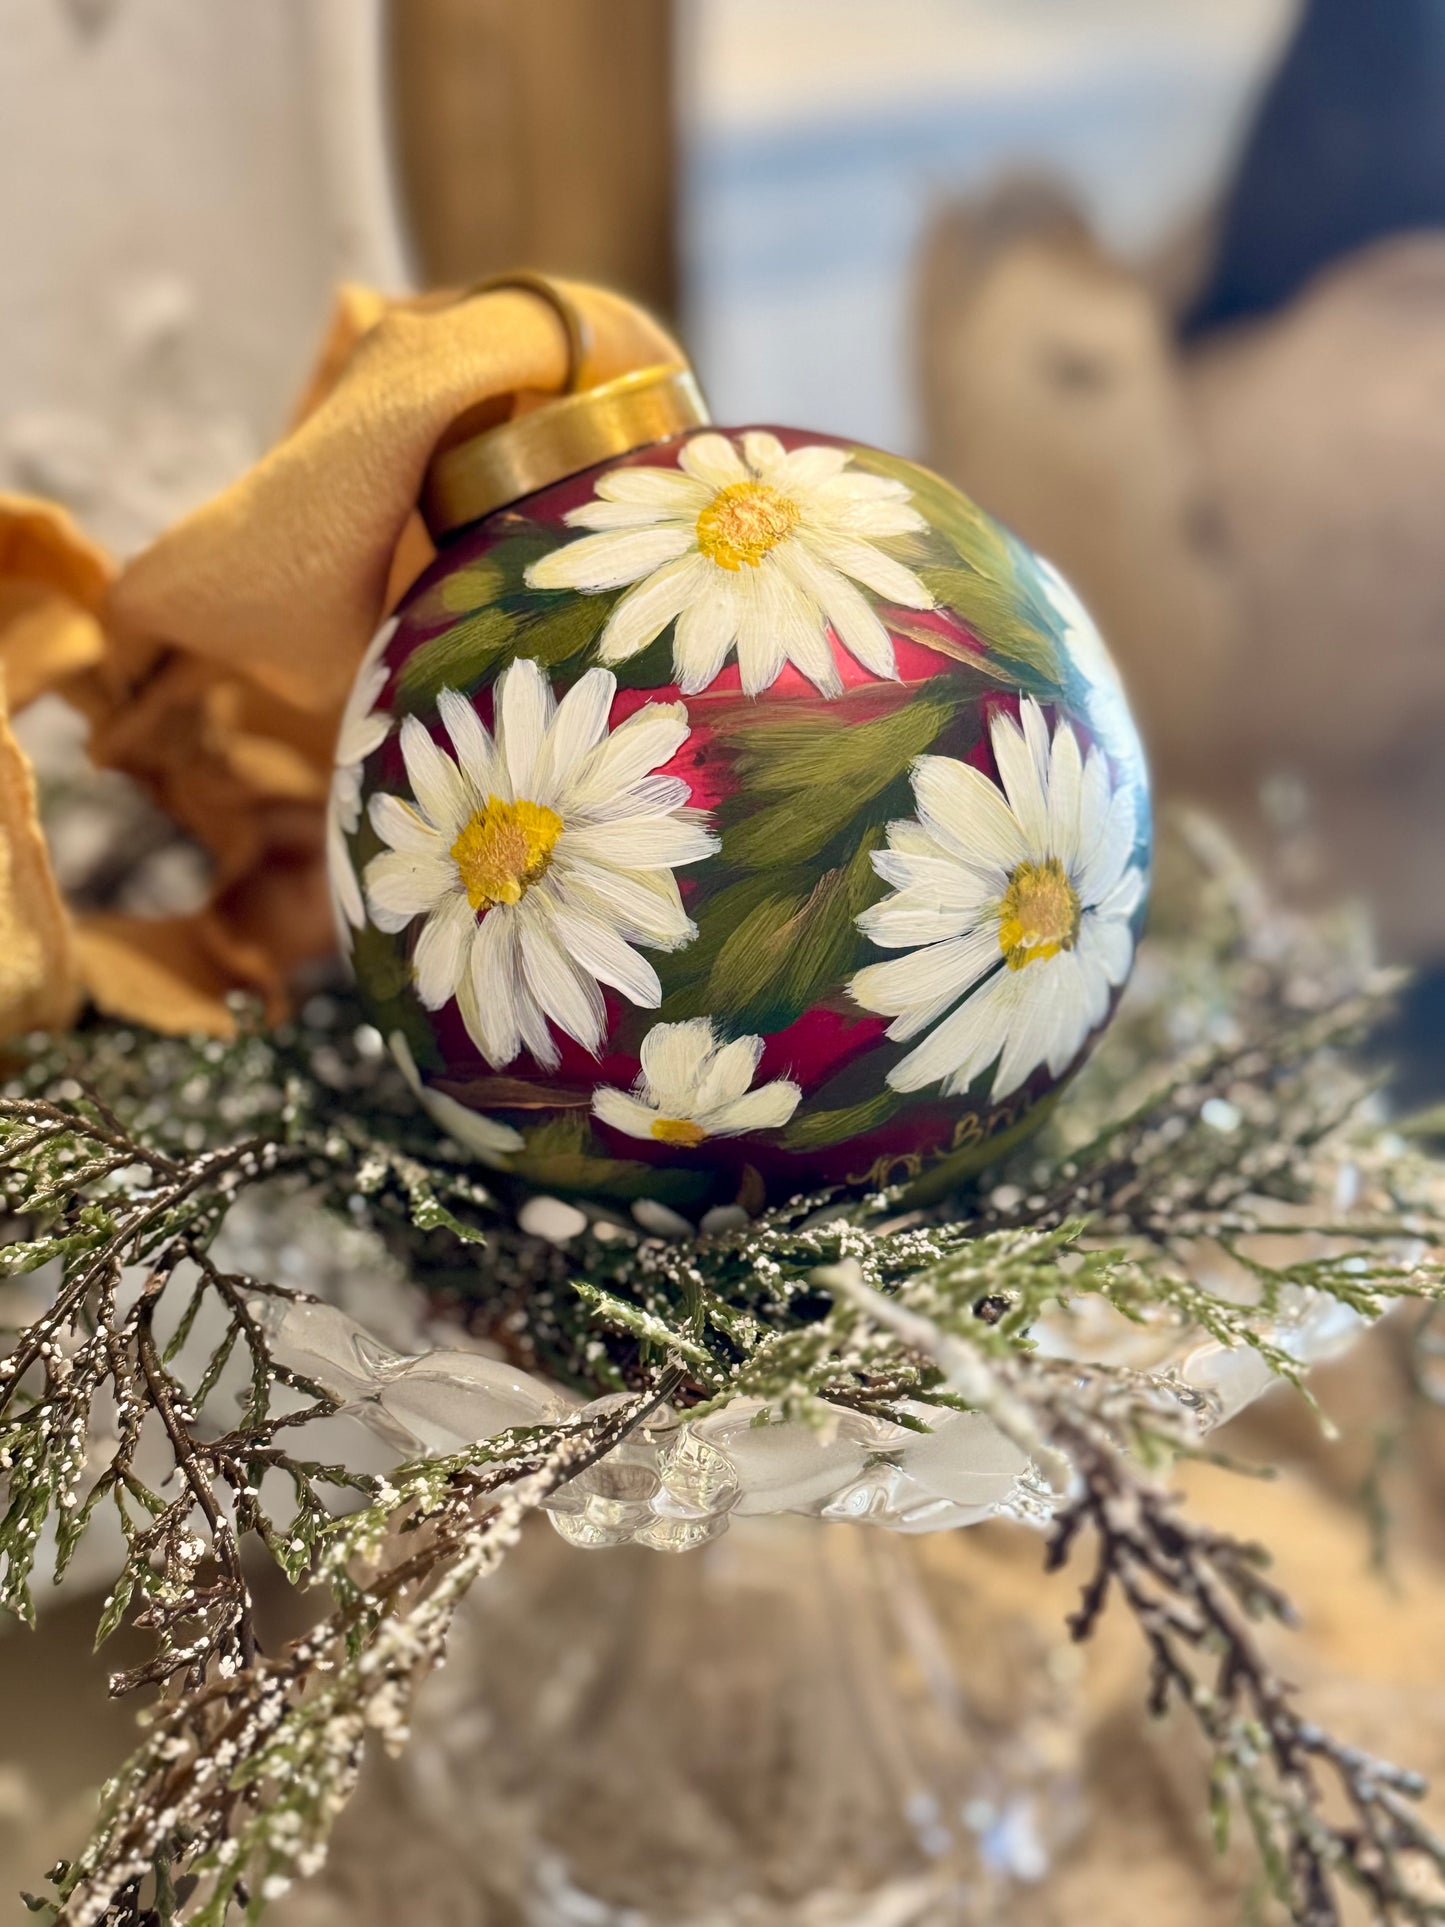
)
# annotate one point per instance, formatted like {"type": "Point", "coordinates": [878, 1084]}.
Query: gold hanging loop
{"type": "Point", "coordinates": [483, 464]}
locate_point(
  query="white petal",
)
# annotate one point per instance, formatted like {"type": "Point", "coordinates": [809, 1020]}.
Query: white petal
{"type": "Point", "coordinates": [537, 1040]}
{"type": "Point", "coordinates": [964, 1043]}
{"type": "Point", "coordinates": [399, 826]}
{"type": "Point", "coordinates": [673, 1057]}
{"type": "Point", "coordinates": [436, 782]}
{"type": "Point", "coordinates": [1103, 866]}
{"type": "Point", "coordinates": [611, 560]}
{"type": "Point", "coordinates": [1036, 734]}
{"type": "Point", "coordinates": [344, 802]}
{"type": "Point", "coordinates": [810, 467]}
{"type": "Point", "coordinates": [1066, 780]}
{"type": "Point", "coordinates": [1097, 990]}
{"type": "Point", "coordinates": [1025, 792]}
{"type": "Point", "coordinates": [667, 489]}
{"type": "Point", "coordinates": [762, 452]}
{"type": "Point", "coordinates": [346, 889]}
{"type": "Point", "coordinates": [401, 886]}
{"type": "Point", "coordinates": [561, 988]}
{"type": "Point", "coordinates": [800, 627]}
{"type": "Point", "coordinates": [937, 877]}
{"type": "Point", "coordinates": [487, 997]}
{"type": "Point", "coordinates": [524, 709]}
{"type": "Point", "coordinates": [760, 646]}
{"type": "Point", "coordinates": [863, 505]}
{"type": "Point", "coordinates": [942, 970]}
{"type": "Point", "coordinates": [623, 1111]}
{"type": "Point", "coordinates": [653, 796]}
{"type": "Point", "coordinates": [968, 814]}
{"type": "Point", "coordinates": [914, 917]}
{"type": "Point", "coordinates": [1125, 897]}
{"type": "Point", "coordinates": [1075, 1013]}
{"type": "Point", "coordinates": [907, 835]}
{"type": "Point", "coordinates": [484, 1136]}
{"type": "Point", "coordinates": [642, 615]}
{"type": "Point", "coordinates": [600, 516]}
{"type": "Point", "coordinates": [363, 735]}
{"type": "Point", "coordinates": [870, 566]}
{"type": "Point", "coordinates": [1050, 994]}
{"type": "Point", "coordinates": [578, 726]}
{"type": "Point", "coordinates": [873, 520]}
{"type": "Point", "coordinates": [855, 484]}
{"type": "Point", "coordinates": [764, 1109]}
{"type": "Point", "coordinates": [443, 951]}
{"type": "Point", "coordinates": [1094, 795]}
{"type": "Point", "coordinates": [713, 460]}
{"type": "Point", "coordinates": [1108, 942]}
{"type": "Point", "coordinates": [599, 950]}
{"type": "Point", "coordinates": [854, 621]}
{"type": "Point", "coordinates": [642, 906]}
{"type": "Point", "coordinates": [706, 631]}
{"type": "Point", "coordinates": [650, 737]}
{"type": "Point", "coordinates": [728, 1073]}
{"type": "Point", "coordinates": [640, 842]}
{"type": "Point", "coordinates": [473, 744]}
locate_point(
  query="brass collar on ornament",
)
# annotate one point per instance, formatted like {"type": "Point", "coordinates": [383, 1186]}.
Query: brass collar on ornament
{"type": "Point", "coordinates": [474, 473]}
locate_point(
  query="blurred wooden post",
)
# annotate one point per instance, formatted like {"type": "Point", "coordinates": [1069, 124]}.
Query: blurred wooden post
{"type": "Point", "coordinates": [537, 133]}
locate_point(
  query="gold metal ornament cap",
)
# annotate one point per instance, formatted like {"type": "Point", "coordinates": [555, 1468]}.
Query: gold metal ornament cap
{"type": "Point", "coordinates": [474, 473]}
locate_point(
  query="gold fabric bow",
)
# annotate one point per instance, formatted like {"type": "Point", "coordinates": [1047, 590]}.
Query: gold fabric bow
{"type": "Point", "coordinates": [213, 667]}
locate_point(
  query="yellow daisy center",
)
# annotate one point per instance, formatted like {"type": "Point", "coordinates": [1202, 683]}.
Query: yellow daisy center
{"type": "Point", "coordinates": [1039, 914]}
{"type": "Point", "coordinates": [504, 849]}
{"type": "Point", "coordinates": [743, 521]}
{"type": "Point", "coordinates": [677, 1130]}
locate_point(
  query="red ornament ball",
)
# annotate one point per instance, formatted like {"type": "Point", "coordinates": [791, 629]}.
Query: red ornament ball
{"type": "Point", "coordinates": [746, 815]}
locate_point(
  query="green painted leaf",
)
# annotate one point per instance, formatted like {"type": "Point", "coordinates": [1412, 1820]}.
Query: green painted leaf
{"type": "Point", "coordinates": [822, 771]}
{"type": "Point", "coordinates": [471, 588]}
{"type": "Point", "coordinates": [993, 590]}
{"type": "Point", "coordinates": [465, 590]}
{"type": "Point", "coordinates": [999, 613]}
{"type": "Point", "coordinates": [814, 1131]}
{"type": "Point", "coordinates": [683, 972]}
{"type": "Point", "coordinates": [968, 528]}
{"type": "Point", "coordinates": [557, 1155]}
{"type": "Point", "coordinates": [791, 949]}
{"type": "Point", "coordinates": [458, 658]}
{"type": "Point", "coordinates": [549, 628]}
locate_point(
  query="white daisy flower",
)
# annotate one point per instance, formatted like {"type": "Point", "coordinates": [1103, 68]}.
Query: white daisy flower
{"type": "Point", "coordinates": [486, 1138]}
{"type": "Point", "coordinates": [1016, 901]}
{"type": "Point", "coordinates": [692, 1088]}
{"type": "Point", "coordinates": [759, 551]}
{"type": "Point", "coordinates": [1108, 708]}
{"type": "Point", "coordinates": [1085, 645]}
{"type": "Point", "coordinates": [538, 858]}
{"type": "Point", "coordinates": [364, 728]}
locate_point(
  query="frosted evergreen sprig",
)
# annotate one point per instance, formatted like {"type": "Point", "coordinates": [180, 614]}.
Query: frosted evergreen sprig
{"type": "Point", "coordinates": [1228, 1103]}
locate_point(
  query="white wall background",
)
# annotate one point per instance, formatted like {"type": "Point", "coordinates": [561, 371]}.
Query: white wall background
{"type": "Point", "coordinates": [185, 182]}
{"type": "Point", "coordinates": [818, 134]}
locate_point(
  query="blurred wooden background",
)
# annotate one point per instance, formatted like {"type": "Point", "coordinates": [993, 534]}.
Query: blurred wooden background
{"type": "Point", "coordinates": [538, 134]}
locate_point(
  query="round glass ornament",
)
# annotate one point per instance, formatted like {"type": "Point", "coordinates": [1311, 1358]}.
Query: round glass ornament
{"type": "Point", "coordinates": [727, 814]}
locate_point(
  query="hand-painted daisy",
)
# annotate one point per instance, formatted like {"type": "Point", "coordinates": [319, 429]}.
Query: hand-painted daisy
{"type": "Point", "coordinates": [692, 1088]}
{"type": "Point", "coordinates": [363, 729]}
{"type": "Point", "coordinates": [1107, 706]}
{"type": "Point", "coordinates": [1019, 902]}
{"type": "Point", "coordinates": [538, 858]}
{"type": "Point", "coordinates": [483, 1136]}
{"type": "Point", "coordinates": [1085, 645]}
{"type": "Point", "coordinates": [761, 550]}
